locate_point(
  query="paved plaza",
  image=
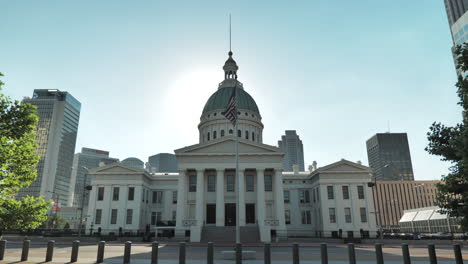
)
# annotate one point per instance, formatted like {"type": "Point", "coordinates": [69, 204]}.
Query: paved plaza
{"type": "Point", "coordinates": [196, 253]}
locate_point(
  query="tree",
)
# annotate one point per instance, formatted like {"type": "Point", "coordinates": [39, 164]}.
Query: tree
{"type": "Point", "coordinates": [451, 144]}
{"type": "Point", "coordinates": [18, 159]}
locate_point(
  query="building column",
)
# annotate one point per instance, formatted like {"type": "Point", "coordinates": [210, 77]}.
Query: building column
{"type": "Point", "coordinates": [279, 204]}
{"type": "Point", "coordinates": [241, 198]}
{"type": "Point", "coordinates": [199, 197]}
{"type": "Point", "coordinates": [219, 197]}
{"type": "Point", "coordinates": [181, 205]}
{"type": "Point", "coordinates": [261, 197]}
{"type": "Point", "coordinates": [264, 230]}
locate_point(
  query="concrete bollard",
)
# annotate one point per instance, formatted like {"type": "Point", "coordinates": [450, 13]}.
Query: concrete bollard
{"type": "Point", "coordinates": [238, 253]}
{"type": "Point", "coordinates": [74, 253]}
{"type": "Point", "coordinates": [209, 253]}
{"type": "Point", "coordinates": [458, 254]}
{"type": "Point", "coordinates": [127, 252]}
{"type": "Point", "coordinates": [25, 251]}
{"type": "Point", "coordinates": [295, 253]}
{"type": "Point", "coordinates": [50, 251]}
{"type": "Point", "coordinates": [432, 254]}
{"type": "Point", "coordinates": [100, 252]}
{"type": "Point", "coordinates": [182, 253]}
{"type": "Point", "coordinates": [379, 254]}
{"type": "Point", "coordinates": [2, 249]}
{"type": "Point", "coordinates": [267, 253]}
{"type": "Point", "coordinates": [324, 253]}
{"type": "Point", "coordinates": [351, 253]}
{"type": "Point", "coordinates": [406, 254]}
{"type": "Point", "coordinates": [154, 252]}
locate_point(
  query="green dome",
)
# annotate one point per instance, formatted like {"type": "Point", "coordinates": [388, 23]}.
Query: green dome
{"type": "Point", "coordinates": [219, 100]}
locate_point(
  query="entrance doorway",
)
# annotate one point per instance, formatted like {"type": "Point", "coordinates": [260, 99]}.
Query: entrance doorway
{"type": "Point", "coordinates": [211, 213]}
{"type": "Point", "coordinates": [250, 213]}
{"type": "Point", "coordinates": [230, 214]}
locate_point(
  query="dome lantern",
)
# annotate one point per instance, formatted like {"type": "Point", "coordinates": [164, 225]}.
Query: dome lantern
{"type": "Point", "coordinates": [230, 68]}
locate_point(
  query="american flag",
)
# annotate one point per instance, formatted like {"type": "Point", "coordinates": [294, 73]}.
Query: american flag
{"type": "Point", "coordinates": [231, 110]}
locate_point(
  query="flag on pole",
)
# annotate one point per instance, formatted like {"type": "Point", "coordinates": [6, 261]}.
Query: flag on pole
{"type": "Point", "coordinates": [231, 110]}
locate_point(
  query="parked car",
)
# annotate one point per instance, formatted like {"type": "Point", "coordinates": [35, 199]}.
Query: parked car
{"type": "Point", "coordinates": [442, 235]}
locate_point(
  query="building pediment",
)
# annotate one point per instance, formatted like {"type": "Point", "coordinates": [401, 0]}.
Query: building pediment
{"type": "Point", "coordinates": [344, 166]}
{"type": "Point", "coordinates": [116, 168]}
{"type": "Point", "coordinates": [227, 146]}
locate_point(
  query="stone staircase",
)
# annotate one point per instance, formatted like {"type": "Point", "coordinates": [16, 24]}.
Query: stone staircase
{"type": "Point", "coordinates": [249, 234]}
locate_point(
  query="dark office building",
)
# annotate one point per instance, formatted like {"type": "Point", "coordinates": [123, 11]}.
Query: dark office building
{"type": "Point", "coordinates": [163, 162]}
{"type": "Point", "coordinates": [389, 156]}
{"type": "Point", "coordinates": [291, 145]}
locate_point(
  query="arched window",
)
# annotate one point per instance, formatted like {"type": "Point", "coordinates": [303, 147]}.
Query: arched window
{"type": "Point", "coordinates": [246, 134]}
{"type": "Point", "coordinates": [253, 136]}
{"type": "Point", "coordinates": [230, 131]}
{"type": "Point", "coordinates": [214, 134]}
{"type": "Point", "coordinates": [208, 136]}
{"type": "Point", "coordinates": [239, 133]}
{"type": "Point", "coordinates": [222, 132]}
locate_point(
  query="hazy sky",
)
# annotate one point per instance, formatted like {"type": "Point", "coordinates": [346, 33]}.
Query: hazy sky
{"type": "Point", "coordinates": [336, 71]}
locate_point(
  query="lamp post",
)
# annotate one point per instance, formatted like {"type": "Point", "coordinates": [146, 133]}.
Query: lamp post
{"type": "Point", "coordinates": [85, 188]}
{"type": "Point", "coordinates": [377, 212]}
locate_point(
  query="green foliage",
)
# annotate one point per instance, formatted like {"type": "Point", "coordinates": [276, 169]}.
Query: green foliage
{"type": "Point", "coordinates": [17, 165]}
{"type": "Point", "coordinates": [451, 144]}
{"type": "Point", "coordinates": [55, 221]}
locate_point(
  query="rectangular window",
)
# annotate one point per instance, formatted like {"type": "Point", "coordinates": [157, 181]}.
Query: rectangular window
{"type": "Point", "coordinates": [97, 219]}
{"type": "Point", "coordinates": [287, 217]}
{"type": "Point", "coordinates": [363, 215]}
{"type": "Point", "coordinates": [211, 183]}
{"type": "Point", "coordinates": [230, 183]}
{"type": "Point", "coordinates": [249, 180]}
{"type": "Point", "coordinates": [330, 193]}
{"type": "Point", "coordinates": [158, 218]}
{"type": "Point", "coordinates": [306, 218]}
{"type": "Point", "coordinates": [100, 196]}
{"type": "Point", "coordinates": [307, 196]}
{"type": "Point", "coordinates": [131, 193]}
{"type": "Point", "coordinates": [115, 194]}
{"type": "Point", "coordinates": [174, 197]}
{"type": "Point", "coordinates": [345, 192]}
{"type": "Point", "coordinates": [360, 191]}
{"type": "Point", "coordinates": [347, 212]}
{"type": "Point", "coordinates": [153, 218]}
{"type": "Point", "coordinates": [129, 216]}
{"type": "Point", "coordinates": [304, 196]}
{"type": "Point", "coordinates": [157, 197]}
{"type": "Point", "coordinates": [192, 183]}
{"type": "Point", "coordinates": [113, 217]}
{"type": "Point", "coordinates": [143, 195]}
{"type": "Point", "coordinates": [174, 214]}
{"type": "Point", "coordinates": [268, 183]}
{"type": "Point", "coordinates": [331, 213]}
{"type": "Point", "coordinates": [286, 196]}
{"type": "Point", "coordinates": [317, 192]}
{"type": "Point", "coordinates": [313, 195]}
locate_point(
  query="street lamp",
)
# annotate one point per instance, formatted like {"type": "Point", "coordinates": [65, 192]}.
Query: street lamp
{"type": "Point", "coordinates": [377, 218]}
{"type": "Point", "coordinates": [85, 188]}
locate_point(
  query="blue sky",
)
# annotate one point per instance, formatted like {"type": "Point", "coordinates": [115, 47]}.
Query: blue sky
{"type": "Point", "coordinates": [336, 71]}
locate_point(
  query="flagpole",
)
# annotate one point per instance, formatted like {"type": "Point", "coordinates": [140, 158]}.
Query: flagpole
{"type": "Point", "coordinates": [237, 171]}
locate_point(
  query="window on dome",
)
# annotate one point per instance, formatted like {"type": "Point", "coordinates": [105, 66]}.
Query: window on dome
{"type": "Point", "coordinates": [238, 113]}
{"type": "Point", "coordinates": [239, 133]}
{"type": "Point", "coordinates": [208, 116]}
{"type": "Point", "coordinates": [214, 134]}
{"type": "Point", "coordinates": [222, 132]}
{"type": "Point", "coordinates": [246, 114]}
{"type": "Point", "coordinates": [230, 131]}
{"type": "Point", "coordinates": [253, 136]}
{"type": "Point", "coordinates": [253, 116]}
{"type": "Point", "coordinates": [214, 114]}
{"type": "Point", "coordinates": [246, 134]}
{"type": "Point", "coordinates": [208, 136]}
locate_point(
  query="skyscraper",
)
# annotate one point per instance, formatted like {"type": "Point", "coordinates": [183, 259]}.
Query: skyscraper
{"type": "Point", "coordinates": [163, 162]}
{"type": "Point", "coordinates": [59, 114]}
{"type": "Point", "coordinates": [458, 22]}
{"type": "Point", "coordinates": [291, 145]}
{"type": "Point", "coordinates": [82, 162]}
{"type": "Point", "coordinates": [389, 156]}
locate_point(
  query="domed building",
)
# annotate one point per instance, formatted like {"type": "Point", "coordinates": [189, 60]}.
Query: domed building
{"type": "Point", "coordinates": [199, 201]}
